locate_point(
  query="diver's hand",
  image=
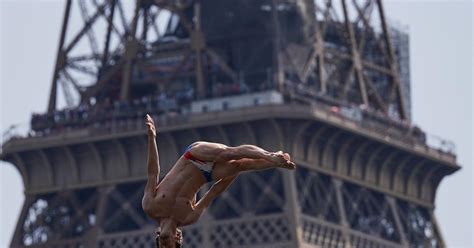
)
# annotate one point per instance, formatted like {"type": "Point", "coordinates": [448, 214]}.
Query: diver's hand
{"type": "Point", "coordinates": [151, 126]}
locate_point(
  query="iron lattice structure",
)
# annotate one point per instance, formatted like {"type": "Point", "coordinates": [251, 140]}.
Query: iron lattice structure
{"type": "Point", "coordinates": [327, 81]}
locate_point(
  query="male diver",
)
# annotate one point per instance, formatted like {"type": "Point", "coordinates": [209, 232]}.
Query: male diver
{"type": "Point", "coordinates": [172, 202]}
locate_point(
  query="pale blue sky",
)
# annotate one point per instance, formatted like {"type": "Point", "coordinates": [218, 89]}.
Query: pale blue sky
{"type": "Point", "coordinates": [441, 44]}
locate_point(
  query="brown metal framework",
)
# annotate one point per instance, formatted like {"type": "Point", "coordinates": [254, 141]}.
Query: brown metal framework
{"type": "Point", "coordinates": [345, 51]}
{"type": "Point", "coordinates": [127, 41]}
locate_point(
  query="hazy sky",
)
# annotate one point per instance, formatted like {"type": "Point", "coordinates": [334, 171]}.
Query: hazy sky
{"type": "Point", "coordinates": [441, 50]}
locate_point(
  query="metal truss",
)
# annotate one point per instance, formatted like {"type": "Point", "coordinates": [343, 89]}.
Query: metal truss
{"type": "Point", "coordinates": [101, 52]}
{"type": "Point", "coordinates": [115, 44]}
{"type": "Point", "coordinates": [352, 57]}
{"type": "Point", "coordinates": [317, 196]}
{"type": "Point", "coordinates": [251, 214]}
{"type": "Point", "coordinates": [345, 51]}
{"type": "Point", "coordinates": [348, 190]}
{"type": "Point", "coordinates": [244, 200]}
{"type": "Point", "coordinates": [369, 212]}
{"type": "Point", "coordinates": [367, 217]}
{"type": "Point", "coordinates": [419, 225]}
{"type": "Point", "coordinates": [58, 216]}
{"type": "Point", "coordinates": [123, 209]}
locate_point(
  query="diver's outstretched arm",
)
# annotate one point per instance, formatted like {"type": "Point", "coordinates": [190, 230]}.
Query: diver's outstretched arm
{"type": "Point", "coordinates": [153, 158]}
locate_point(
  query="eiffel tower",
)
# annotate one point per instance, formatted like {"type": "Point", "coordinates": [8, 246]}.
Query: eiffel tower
{"type": "Point", "coordinates": [327, 81]}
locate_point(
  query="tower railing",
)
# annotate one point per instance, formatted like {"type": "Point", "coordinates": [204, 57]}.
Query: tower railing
{"type": "Point", "coordinates": [119, 121]}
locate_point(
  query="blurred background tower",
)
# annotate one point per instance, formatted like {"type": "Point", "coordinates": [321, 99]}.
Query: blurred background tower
{"type": "Point", "coordinates": [327, 81]}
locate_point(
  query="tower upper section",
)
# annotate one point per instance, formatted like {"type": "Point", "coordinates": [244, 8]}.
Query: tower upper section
{"type": "Point", "coordinates": [170, 53]}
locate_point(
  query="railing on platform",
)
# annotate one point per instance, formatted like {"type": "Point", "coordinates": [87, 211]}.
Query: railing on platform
{"type": "Point", "coordinates": [399, 130]}
{"type": "Point", "coordinates": [441, 144]}
{"type": "Point", "coordinates": [269, 231]}
{"type": "Point", "coordinates": [18, 131]}
{"type": "Point", "coordinates": [131, 121]}
{"type": "Point", "coordinates": [325, 234]}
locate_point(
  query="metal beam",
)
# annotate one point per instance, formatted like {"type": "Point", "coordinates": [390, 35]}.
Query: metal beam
{"type": "Point", "coordinates": [110, 19]}
{"type": "Point", "coordinates": [250, 132]}
{"type": "Point", "coordinates": [60, 60]}
{"type": "Point", "coordinates": [131, 50]}
{"type": "Point", "coordinates": [393, 62]}
{"type": "Point", "coordinates": [279, 76]}
{"type": "Point", "coordinates": [73, 164]}
{"type": "Point", "coordinates": [323, 158]}
{"type": "Point", "coordinates": [315, 142]}
{"type": "Point", "coordinates": [411, 181]}
{"type": "Point", "coordinates": [370, 165]}
{"type": "Point", "coordinates": [298, 142]}
{"type": "Point", "coordinates": [292, 208]}
{"type": "Point", "coordinates": [337, 184]}
{"type": "Point", "coordinates": [123, 156]}
{"type": "Point", "coordinates": [49, 170]}
{"type": "Point", "coordinates": [355, 56]}
{"type": "Point", "coordinates": [437, 229]}
{"type": "Point", "coordinates": [428, 189]}
{"type": "Point", "coordinates": [384, 168]}
{"type": "Point", "coordinates": [20, 164]}
{"type": "Point", "coordinates": [401, 231]}
{"type": "Point", "coordinates": [343, 152]}
{"type": "Point", "coordinates": [17, 239]}
{"type": "Point", "coordinates": [99, 161]}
